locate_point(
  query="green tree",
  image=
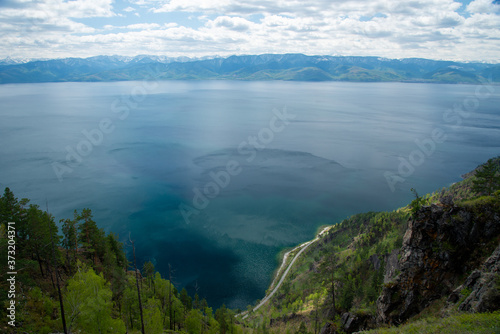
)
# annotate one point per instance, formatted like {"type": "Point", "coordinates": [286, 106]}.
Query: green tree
{"type": "Point", "coordinates": [328, 273]}
{"type": "Point", "coordinates": [194, 321]}
{"type": "Point", "coordinates": [347, 295]}
{"type": "Point", "coordinates": [14, 210]}
{"type": "Point", "coordinates": [70, 241]}
{"type": "Point", "coordinates": [221, 317]}
{"type": "Point", "coordinates": [203, 304]}
{"type": "Point", "coordinates": [115, 248]}
{"type": "Point", "coordinates": [44, 307]}
{"type": "Point", "coordinates": [196, 302]}
{"type": "Point", "coordinates": [115, 263]}
{"type": "Point", "coordinates": [178, 312]}
{"type": "Point", "coordinates": [41, 230]}
{"type": "Point", "coordinates": [148, 271]}
{"type": "Point", "coordinates": [10, 208]}
{"type": "Point", "coordinates": [90, 236]}
{"type": "Point", "coordinates": [130, 305]}
{"type": "Point", "coordinates": [88, 304]}
{"type": "Point", "coordinates": [153, 322]}
{"type": "Point", "coordinates": [186, 300]}
{"type": "Point", "coordinates": [417, 203]}
{"type": "Point", "coordinates": [169, 303]}
{"type": "Point", "coordinates": [487, 178]}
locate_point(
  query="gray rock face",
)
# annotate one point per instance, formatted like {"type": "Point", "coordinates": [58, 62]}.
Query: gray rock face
{"type": "Point", "coordinates": [482, 287]}
{"type": "Point", "coordinates": [392, 266]}
{"type": "Point", "coordinates": [328, 329]}
{"type": "Point", "coordinates": [352, 323]}
{"type": "Point", "coordinates": [438, 248]}
{"type": "Point", "coordinates": [375, 261]}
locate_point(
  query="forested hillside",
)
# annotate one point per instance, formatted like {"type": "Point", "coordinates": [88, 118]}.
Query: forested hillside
{"type": "Point", "coordinates": [101, 290]}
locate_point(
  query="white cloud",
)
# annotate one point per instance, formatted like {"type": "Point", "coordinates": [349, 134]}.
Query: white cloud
{"type": "Point", "coordinates": [143, 26]}
{"type": "Point", "coordinates": [483, 6]}
{"type": "Point", "coordinates": [231, 23]}
{"type": "Point", "coordinates": [392, 29]}
{"type": "Point", "coordinates": [53, 15]}
{"type": "Point", "coordinates": [141, 2]}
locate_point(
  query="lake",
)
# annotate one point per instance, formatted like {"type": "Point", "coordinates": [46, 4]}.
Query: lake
{"type": "Point", "coordinates": [215, 178]}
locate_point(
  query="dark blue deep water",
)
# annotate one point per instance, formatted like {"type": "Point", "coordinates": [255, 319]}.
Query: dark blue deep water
{"type": "Point", "coordinates": [215, 178]}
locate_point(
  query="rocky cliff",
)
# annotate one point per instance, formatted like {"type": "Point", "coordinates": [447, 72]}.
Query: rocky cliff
{"type": "Point", "coordinates": [442, 245]}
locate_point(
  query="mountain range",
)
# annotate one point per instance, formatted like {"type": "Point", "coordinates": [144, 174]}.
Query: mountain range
{"type": "Point", "coordinates": [291, 67]}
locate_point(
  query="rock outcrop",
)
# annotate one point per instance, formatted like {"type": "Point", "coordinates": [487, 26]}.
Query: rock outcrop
{"type": "Point", "coordinates": [481, 289]}
{"type": "Point", "coordinates": [351, 322]}
{"type": "Point", "coordinates": [442, 244]}
{"type": "Point", "coordinates": [391, 266]}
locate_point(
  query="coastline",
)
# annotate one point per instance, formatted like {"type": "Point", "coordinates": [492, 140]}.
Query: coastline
{"type": "Point", "coordinates": [282, 273]}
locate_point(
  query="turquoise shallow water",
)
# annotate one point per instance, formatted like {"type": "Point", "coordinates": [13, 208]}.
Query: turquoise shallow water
{"type": "Point", "coordinates": [140, 154]}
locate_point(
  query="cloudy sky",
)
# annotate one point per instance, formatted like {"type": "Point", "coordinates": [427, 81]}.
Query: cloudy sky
{"type": "Point", "coordinates": [437, 29]}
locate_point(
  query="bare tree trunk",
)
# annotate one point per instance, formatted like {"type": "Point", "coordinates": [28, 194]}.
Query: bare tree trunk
{"type": "Point", "coordinates": [51, 276]}
{"type": "Point", "coordinates": [68, 261]}
{"type": "Point", "coordinates": [76, 250]}
{"type": "Point", "coordinates": [39, 262]}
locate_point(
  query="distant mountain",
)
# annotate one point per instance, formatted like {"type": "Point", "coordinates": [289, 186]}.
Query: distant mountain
{"type": "Point", "coordinates": [292, 67]}
{"type": "Point", "coordinates": [15, 61]}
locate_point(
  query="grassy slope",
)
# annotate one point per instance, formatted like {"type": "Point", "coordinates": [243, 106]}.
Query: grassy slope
{"type": "Point", "coordinates": [459, 323]}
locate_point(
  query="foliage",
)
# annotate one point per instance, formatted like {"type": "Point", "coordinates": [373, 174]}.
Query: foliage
{"type": "Point", "coordinates": [153, 322]}
{"type": "Point", "coordinates": [417, 203]}
{"type": "Point", "coordinates": [487, 178]}
{"type": "Point", "coordinates": [99, 294]}
{"type": "Point", "coordinates": [194, 321]}
{"type": "Point", "coordinates": [88, 304]}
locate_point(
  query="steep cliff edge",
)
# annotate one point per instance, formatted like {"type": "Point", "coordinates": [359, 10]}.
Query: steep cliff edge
{"type": "Point", "coordinates": [441, 246]}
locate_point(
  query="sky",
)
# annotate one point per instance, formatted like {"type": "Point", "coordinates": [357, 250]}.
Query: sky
{"type": "Point", "coordinates": [465, 30]}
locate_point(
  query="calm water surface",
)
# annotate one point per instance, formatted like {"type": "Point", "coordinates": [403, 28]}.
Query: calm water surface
{"type": "Point", "coordinates": [159, 145]}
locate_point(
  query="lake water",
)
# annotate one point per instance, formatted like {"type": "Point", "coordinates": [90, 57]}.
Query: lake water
{"type": "Point", "coordinates": [216, 177]}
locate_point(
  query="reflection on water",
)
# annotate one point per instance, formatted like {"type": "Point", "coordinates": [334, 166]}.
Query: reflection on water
{"type": "Point", "coordinates": [326, 164]}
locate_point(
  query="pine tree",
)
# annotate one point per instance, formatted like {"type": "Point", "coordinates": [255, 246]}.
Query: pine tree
{"type": "Point", "coordinates": [90, 236]}
{"type": "Point", "coordinates": [9, 207]}
{"type": "Point", "coordinates": [41, 228]}
{"type": "Point", "coordinates": [70, 241]}
{"type": "Point", "coordinates": [328, 273]}
{"type": "Point", "coordinates": [487, 178]}
{"type": "Point", "coordinates": [148, 270]}
{"type": "Point", "coordinates": [186, 300]}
